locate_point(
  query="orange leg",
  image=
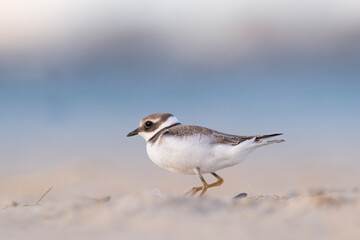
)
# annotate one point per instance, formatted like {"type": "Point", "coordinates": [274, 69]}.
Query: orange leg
{"type": "Point", "coordinates": [205, 186]}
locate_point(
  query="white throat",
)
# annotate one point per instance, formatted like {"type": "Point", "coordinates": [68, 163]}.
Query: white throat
{"type": "Point", "coordinates": [170, 121]}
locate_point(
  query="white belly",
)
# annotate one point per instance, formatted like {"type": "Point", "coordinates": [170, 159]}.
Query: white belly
{"type": "Point", "coordinates": [183, 155]}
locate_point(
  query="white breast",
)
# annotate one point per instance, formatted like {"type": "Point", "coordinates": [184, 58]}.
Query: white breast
{"type": "Point", "coordinates": [184, 154]}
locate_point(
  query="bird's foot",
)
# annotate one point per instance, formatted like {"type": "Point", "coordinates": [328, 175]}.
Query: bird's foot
{"type": "Point", "coordinates": [194, 190]}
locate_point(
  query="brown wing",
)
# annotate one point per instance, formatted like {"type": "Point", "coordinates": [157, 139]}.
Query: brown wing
{"type": "Point", "coordinates": [221, 138]}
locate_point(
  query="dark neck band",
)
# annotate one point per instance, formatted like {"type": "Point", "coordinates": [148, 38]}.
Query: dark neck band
{"type": "Point", "coordinates": [157, 135]}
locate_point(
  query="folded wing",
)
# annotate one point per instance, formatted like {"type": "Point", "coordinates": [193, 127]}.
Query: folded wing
{"type": "Point", "coordinates": [220, 138]}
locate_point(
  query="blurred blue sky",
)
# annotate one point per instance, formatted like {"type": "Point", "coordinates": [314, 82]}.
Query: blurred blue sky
{"type": "Point", "coordinates": [49, 122]}
{"type": "Point", "coordinates": [76, 77]}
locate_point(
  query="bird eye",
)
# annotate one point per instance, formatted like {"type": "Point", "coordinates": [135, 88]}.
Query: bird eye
{"type": "Point", "coordinates": [148, 124]}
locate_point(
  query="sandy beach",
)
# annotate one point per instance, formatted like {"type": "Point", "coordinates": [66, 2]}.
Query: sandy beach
{"type": "Point", "coordinates": [99, 203]}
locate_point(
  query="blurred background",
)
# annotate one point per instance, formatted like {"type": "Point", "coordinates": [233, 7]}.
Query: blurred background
{"type": "Point", "coordinates": [76, 76]}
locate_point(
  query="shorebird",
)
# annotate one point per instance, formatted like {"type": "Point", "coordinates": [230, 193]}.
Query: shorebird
{"type": "Point", "coordinates": [187, 149]}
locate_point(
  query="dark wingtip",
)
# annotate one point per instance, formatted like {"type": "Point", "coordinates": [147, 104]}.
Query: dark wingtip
{"type": "Point", "coordinates": [268, 136]}
{"type": "Point", "coordinates": [276, 134]}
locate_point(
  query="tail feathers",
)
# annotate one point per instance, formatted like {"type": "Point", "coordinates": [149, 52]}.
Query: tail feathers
{"type": "Point", "coordinates": [259, 140]}
{"type": "Point", "coordinates": [260, 137]}
{"type": "Point", "coordinates": [263, 143]}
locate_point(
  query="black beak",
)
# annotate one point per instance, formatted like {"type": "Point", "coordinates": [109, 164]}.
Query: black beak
{"type": "Point", "coordinates": [133, 133]}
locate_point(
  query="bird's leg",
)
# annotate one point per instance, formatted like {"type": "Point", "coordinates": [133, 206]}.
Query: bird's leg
{"type": "Point", "coordinates": [218, 182]}
{"type": "Point", "coordinates": [205, 186]}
